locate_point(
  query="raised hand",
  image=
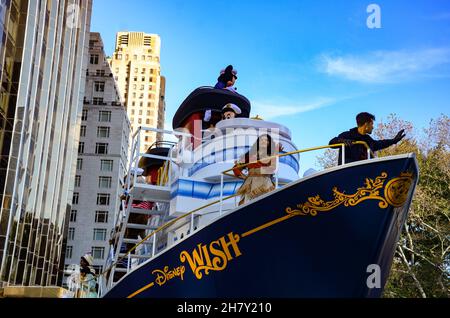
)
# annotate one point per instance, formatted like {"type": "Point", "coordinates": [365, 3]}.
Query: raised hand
{"type": "Point", "coordinates": [400, 135]}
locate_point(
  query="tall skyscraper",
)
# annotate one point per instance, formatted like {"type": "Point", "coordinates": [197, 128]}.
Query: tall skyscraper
{"type": "Point", "coordinates": [43, 56]}
{"type": "Point", "coordinates": [101, 163]}
{"type": "Point", "coordinates": [136, 68]}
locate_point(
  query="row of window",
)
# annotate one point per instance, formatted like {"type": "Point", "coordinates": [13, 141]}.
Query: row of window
{"type": "Point", "coordinates": [102, 198]}
{"type": "Point", "coordinates": [141, 104]}
{"type": "Point", "coordinates": [105, 165]}
{"type": "Point", "coordinates": [103, 182]}
{"type": "Point", "coordinates": [101, 148]}
{"type": "Point", "coordinates": [103, 115]}
{"type": "Point", "coordinates": [100, 216]}
{"type": "Point", "coordinates": [149, 112]}
{"type": "Point", "coordinates": [102, 132]}
{"type": "Point", "coordinates": [148, 121]}
{"type": "Point", "coordinates": [142, 87]}
{"type": "Point", "coordinates": [119, 56]}
{"type": "Point", "coordinates": [97, 252]}
{"type": "Point", "coordinates": [99, 234]}
{"type": "Point", "coordinates": [141, 95]}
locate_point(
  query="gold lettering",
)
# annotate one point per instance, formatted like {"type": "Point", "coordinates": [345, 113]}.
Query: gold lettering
{"type": "Point", "coordinates": [195, 261]}
{"type": "Point", "coordinates": [221, 259]}
{"type": "Point", "coordinates": [234, 239]}
{"type": "Point", "coordinates": [162, 276]}
{"type": "Point", "coordinates": [206, 253]}
{"type": "Point", "coordinates": [219, 249]}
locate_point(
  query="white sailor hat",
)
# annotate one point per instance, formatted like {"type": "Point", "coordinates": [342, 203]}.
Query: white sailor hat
{"type": "Point", "coordinates": [88, 258]}
{"type": "Point", "coordinates": [231, 107]}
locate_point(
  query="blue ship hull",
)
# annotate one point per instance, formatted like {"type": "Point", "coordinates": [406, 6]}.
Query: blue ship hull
{"type": "Point", "coordinates": [321, 236]}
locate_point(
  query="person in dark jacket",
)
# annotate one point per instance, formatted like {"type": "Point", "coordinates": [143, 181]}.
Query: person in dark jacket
{"type": "Point", "coordinates": [356, 152]}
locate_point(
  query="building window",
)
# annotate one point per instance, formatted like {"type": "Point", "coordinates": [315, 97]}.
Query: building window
{"type": "Point", "coordinates": [69, 250]}
{"type": "Point", "coordinates": [97, 101]}
{"type": "Point", "coordinates": [101, 216]}
{"type": "Point", "coordinates": [104, 182]}
{"type": "Point", "coordinates": [79, 163]}
{"type": "Point", "coordinates": [77, 181]}
{"type": "Point", "coordinates": [73, 215]}
{"type": "Point", "coordinates": [83, 131]}
{"type": "Point", "coordinates": [103, 132]}
{"type": "Point", "coordinates": [98, 252]}
{"type": "Point", "coordinates": [101, 148]}
{"type": "Point", "coordinates": [71, 233]}
{"type": "Point", "coordinates": [75, 198]}
{"type": "Point", "coordinates": [119, 56]}
{"type": "Point", "coordinates": [147, 121]}
{"type": "Point", "coordinates": [84, 114]}
{"type": "Point", "coordinates": [99, 86]}
{"type": "Point", "coordinates": [104, 116]}
{"type": "Point", "coordinates": [81, 148]}
{"type": "Point", "coordinates": [136, 70]}
{"type": "Point", "coordinates": [143, 78]}
{"type": "Point", "coordinates": [106, 165]}
{"type": "Point", "coordinates": [94, 59]}
{"type": "Point", "coordinates": [99, 235]}
{"type": "Point", "coordinates": [100, 73]}
{"type": "Point", "coordinates": [139, 121]}
{"type": "Point", "coordinates": [103, 199]}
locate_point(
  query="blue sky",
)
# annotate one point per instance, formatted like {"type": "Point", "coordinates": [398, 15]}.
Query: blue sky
{"type": "Point", "coordinates": [310, 65]}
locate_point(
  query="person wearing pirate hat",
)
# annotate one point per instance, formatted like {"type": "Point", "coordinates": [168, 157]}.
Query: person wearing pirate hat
{"type": "Point", "coordinates": [227, 78]}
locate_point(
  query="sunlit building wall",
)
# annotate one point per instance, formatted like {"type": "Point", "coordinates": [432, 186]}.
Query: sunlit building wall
{"type": "Point", "coordinates": [43, 58]}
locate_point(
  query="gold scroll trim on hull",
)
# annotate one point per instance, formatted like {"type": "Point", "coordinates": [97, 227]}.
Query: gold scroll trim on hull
{"type": "Point", "coordinates": [395, 194]}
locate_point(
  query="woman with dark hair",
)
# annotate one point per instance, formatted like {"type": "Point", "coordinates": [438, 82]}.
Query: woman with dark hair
{"type": "Point", "coordinates": [261, 167]}
{"type": "Point", "coordinates": [88, 280]}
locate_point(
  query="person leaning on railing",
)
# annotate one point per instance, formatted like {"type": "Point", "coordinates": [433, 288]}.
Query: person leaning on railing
{"type": "Point", "coordinates": [356, 152]}
{"type": "Point", "coordinates": [260, 169]}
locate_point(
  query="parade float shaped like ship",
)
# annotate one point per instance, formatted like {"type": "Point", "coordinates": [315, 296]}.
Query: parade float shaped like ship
{"type": "Point", "coordinates": [322, 235]}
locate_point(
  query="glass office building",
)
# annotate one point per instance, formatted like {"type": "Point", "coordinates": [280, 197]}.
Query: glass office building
{"type": "Point", "coordinates": [43, 56]}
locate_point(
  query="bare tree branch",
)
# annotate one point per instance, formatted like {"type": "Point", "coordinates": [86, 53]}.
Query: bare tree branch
{"type": "Point", "coordinates": [418, 285]}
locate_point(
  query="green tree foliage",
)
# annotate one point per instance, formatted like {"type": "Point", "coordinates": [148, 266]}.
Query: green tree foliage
{"type": "Point", "coordinates": [421, 266]}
